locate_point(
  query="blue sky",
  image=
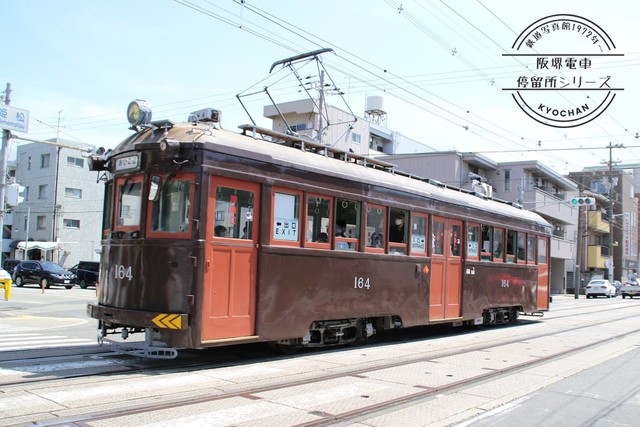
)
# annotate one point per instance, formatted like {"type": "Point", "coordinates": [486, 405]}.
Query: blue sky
{"type": "Point", "coordinates": [438, 64]}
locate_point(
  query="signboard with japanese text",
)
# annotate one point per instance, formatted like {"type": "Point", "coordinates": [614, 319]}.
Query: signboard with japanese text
{"type": "Point", "coordinates": [14, 119]}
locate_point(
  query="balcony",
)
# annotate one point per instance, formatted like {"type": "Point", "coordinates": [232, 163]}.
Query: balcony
{"type": "Point", "coordinates": [597, 223]}
{"type": "Point", "coordinates": [597, 256]}
{"type": "Point", "coordinates": [550, 205]}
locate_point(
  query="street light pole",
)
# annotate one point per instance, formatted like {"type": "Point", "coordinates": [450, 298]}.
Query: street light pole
{"type": "Point", "coordinates": [6, 135]}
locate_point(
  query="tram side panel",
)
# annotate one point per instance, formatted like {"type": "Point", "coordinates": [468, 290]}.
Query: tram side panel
{"type": "Point", "coordinates": [298, 288]}
{"type": "Point", "coordinates": [493, 285]}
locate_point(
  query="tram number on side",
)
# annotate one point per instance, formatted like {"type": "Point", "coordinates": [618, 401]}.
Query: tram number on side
{"type": "Point", "coordinates": [123, 272]}
{"type": "Point", "coordinates": [361, 283]}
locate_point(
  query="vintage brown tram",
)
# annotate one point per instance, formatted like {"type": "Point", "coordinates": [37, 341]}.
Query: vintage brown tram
{"type": "Point", "coordinates": [213, 237]}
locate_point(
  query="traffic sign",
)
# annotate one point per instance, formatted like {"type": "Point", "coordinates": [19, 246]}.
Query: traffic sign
{"type": "Point", "coordinates": [14, 119]}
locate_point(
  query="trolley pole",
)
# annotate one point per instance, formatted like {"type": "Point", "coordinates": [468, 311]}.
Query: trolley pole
{"type": "Point", "coordinates": [6, 135]}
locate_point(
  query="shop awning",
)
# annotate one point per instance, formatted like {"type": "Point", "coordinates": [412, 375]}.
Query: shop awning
{"type": "Point", "coordinates": [45, 246]}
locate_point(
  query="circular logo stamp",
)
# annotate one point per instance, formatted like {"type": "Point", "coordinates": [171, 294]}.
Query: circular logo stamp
{"type": "Point", "coordinates": [567, 83]}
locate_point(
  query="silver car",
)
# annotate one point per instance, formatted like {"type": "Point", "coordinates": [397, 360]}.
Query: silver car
{"type": "Point", "coordinates": [600, 287]}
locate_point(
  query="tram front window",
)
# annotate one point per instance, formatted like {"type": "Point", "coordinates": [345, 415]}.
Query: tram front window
{"type": "Point", "coordinates": [170, 213]}
{"type": "Point", "coordinates": [129, 203]}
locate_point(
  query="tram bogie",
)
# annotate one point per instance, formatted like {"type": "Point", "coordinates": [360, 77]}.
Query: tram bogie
{"type": "Point", "coordinates": [213, 237]}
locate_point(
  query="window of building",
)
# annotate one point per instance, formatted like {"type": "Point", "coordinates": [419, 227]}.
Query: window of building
{"type": "Point", "coordinates": [42, 191]}
{"type": "Point", "coordinates": [347, 227]}
{"type": "Point", "coordinates": [75, 162]}
{"type": "Point", "coordinates": [507, 180]}
{"type": "Point", "coordinates": [44, 160]}
{"type": "Point", "coordinates": [376, 218]}
{"type": "Point", "coordinates": [356, 137]}
{"type": "Point", "coordinates": [286, 217]}
{"type": "Point", "coordinates": [29, 163]}
{"type": "Point", "coordinates": [598, 186]}
{"type": "Point", "coordinates": [71, 223]}
{"type": "Point", "coordinates": [300, 126]}
{"type": "Point", "coordinates": [318, 219]}
{"type": "Point", "coordinates": [418, 234]}
{"type": "Point", "coordinates": [41, 222]}
{"type": "Point", "coordinates": [75, 193]}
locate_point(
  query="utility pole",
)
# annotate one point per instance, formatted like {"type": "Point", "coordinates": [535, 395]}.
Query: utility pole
{"type": "Point", "coordinates": [611, 201]}
{"type": "Point", "coordinates": [6, 135]}
{"type": "Point", "coordinates": [320, 107]}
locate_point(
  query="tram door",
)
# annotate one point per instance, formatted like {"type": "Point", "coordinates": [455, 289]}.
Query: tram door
{"type": "Point", "coordinates": [231, 258]}
{"type": "Point", "coordinates": [543, 274]}
{"type": "Point", "coordinates": [445, 292]}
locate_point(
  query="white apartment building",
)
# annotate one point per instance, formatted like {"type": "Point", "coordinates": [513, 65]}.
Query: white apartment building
{"type": "Point", "coordinates": [60, 217]}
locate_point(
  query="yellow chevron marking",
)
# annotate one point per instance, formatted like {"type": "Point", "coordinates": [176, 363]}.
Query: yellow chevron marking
{"type": "Point", "coordinates": [168, 321]}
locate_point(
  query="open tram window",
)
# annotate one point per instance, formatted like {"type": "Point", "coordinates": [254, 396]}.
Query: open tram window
{"type": "Point", "coordinates": [487, 242]}
{"type": "Point", "coordinates": [473, 234]}
{"type": "Point", "coordinates": [512, 244]}
{"type": "Point", "coordinates": [318, 220]}
{"type": "Point", "coordinates": [376, 229]}
{"type": "Point", "coordinates": [171, 210]}
{"type": "Point", "coordinates": [531, 249]}
{"type": "Point", "coordinates": [347, 226]}
{"type": "Point", "coordinates": [437, 237]}
{"type": "Point", "coordinates": [498, 244]}
{"type": "Point", "coordinates": [286, 217]}
{"type": "Point", "coordinates": [233, 213]}
{"type": "Point", "coordinates": [128, 204]}
{"type": "Point", "coordinates": [418, 234]}
{"type": "Point", "coordinates": [397, 231]}
{"type": "Point", "coordinates": [521, 251]}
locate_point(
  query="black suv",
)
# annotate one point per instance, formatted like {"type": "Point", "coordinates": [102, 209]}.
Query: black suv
{"type": "Point", "coordinates": [9, 265]}
{"type": "Point", "coordinates": [44, 273]}
{"type": "Point", "coordinates": [87, 273]}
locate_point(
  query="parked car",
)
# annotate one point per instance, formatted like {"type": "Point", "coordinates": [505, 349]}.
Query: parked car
{"type": "Point", "coordinates": [44, 273]}
{"type": "Point", "coordinates": [600, 287]}
{"type": "Point", "coordinates": [630, 291]}
{"type": "Point", "coordinates": [87, 273]}
{"type": "Point", "coordinates": [9, 265]}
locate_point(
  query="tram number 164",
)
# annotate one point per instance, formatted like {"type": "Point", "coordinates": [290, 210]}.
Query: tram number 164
{"type": "Point", "coordinates": [361, 283]}
{"type": "Point", "coordinates": [123, 272]}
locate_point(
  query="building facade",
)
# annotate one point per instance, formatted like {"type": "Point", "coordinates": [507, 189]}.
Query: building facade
{"type": "Point", "coordinates": [60, 217]}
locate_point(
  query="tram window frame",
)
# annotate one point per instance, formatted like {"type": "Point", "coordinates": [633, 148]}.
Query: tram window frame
{"type": "Point", "coordinates": [380, 215]}
{"type": "Point", "coordinates": [498, 248]}
{"type": "Point", "coordinates": [152, 206]}
{"type": "Point", "coordinates": [452, 240]}
{"type": "Point", "coordinates": [531, 249]}
{"type": "Point", "coordinates": [107, 216]}
{"type": "Point", "coordinates": [312, 240]}
{"type": "Point", "coordinates": [117, 206]}
{"type": "Point", "coordinates": [512, 244]}
{"type": "Point", "coordinates": [521, 248]}
{"type": "Point", "coordinates": [298, 198]}
{"type": "Point", "coordinates": [344, 212]}
{"type": "Point", "coordinates": [486, 243]}
{"type": "Point", "coordinates": [437, 240]}
{"type": "Point", "coordinates": [543, 247]}
{"type": "Point", "coordinates": [394, 247]}
{"type": "Point", "coordinates": [236, 209]}
{"type": "Point", "coordinates": [473, 254]}
{"type": "Point", "coordinates": [418, 246]}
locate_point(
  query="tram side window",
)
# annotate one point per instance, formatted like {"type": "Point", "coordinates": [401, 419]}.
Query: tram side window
{"type": "Point", "coordinates": [473, 232]}
{"type": "Point", "coordinates": [512, 244]}
{"type": "Point", "coordinates": [498, 244]}
{"type": "Point", "coordinates": [286, 220]}
{"type": "Point", "coordinates": [418, 235]}
{"type": "Point", "coordinates": [487, 239]}
{"type": "Point", "coordinates": [397, 231]}
{"type": "Point", "coordinates": [375, 226]}
{"type": "Point", "coordinates": [347, 227]}
{"type": "Point", "coordinates": [521, 248]}
{"type": "Point", "coordinates": [531, 249]}
{"type": "Point", "coordinates": [437, 238]}
{"type": "Point", "coordinates": [129, 203]}
{"type": "Point", "coordinates": [318, 219]}
{"type": "Point", "coordinates": [107, 216]}
{"type": "Point", "coordinates": [233, 213]}
{"type": "Point", "coordinates": [171, 212]}
{"type": "Point", "coordinates": [456, 239]}
{"type": "Point", "coordinates": [542, 251]}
